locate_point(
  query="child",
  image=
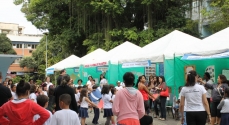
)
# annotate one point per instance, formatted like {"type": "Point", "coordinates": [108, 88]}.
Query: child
{"type": "Point", "coordinates": [113, 91]}
{"type": "Point", "coordinates": [22, 110]}
{"type": "Point", "coordinates": [42, 100]}
{"type": "Point", "coordinates": [65, 116]}
{"type": "Point", "coordinates": [84, 100]}
{"type": "Point", "coordinates": [95, 97]}
{"type": "Point", "coordinates": [176, 105]}
{"type": "Point", "coordinates": [224, 106]}
{"type": "Point", "coordinates": [107, 104]}
{"type": "Point", "coordinates": [32, 95]}
{"type": "Point", "coordinates": [118, 87]}
{"type": "Point", "coordinates": [44, 89]}
{"type": "Point", "coordinates": [77, 95]}
{"type": "Point", "coordinates": [146, 119]}
{"type": "Point", "coordinates": [13, 91]}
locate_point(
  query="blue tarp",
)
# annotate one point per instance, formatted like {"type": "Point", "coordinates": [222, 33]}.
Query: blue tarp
{"type": "Point", "coordinates": [200, 57]}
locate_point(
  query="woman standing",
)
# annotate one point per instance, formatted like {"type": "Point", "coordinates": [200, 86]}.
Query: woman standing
{"type": "Point", "coordinates": [102, 81]}
{"type": "Point", "coordinates": [143, 89]}
{"type": "Point", "coordinates": [197, 107]}
{"type": "Point", "coordinates": [47, 81]}
{"type": "Point", "coordinates": [155, 91]}
{"type": "Point", "coordinates": [162, 87]}
{"type": "Point", "coordinates": [217, 95]}
{"type": "Point", "coordinates": [63, 88]}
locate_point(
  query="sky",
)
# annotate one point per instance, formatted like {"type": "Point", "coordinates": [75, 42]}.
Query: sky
{"type": "Point", "coordinates": [10, 13]}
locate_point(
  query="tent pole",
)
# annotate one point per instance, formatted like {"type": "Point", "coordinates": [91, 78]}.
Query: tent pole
{"type": "Point", "coordinates": [174, 74]}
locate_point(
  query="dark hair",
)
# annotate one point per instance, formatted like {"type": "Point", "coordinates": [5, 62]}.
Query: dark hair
{"type": "Point", "coordinates": [93, 80]}
{"type": "Point", "coordinates": [51, 91]}
{"type": "Point", "coordinates": [223, 78]}
{"type": "Point", "coordinates": [227, 82]}
{"type": "Point", "coordinates": [47, 78]}
{"type": "Point", "coordinates": [139, 79]}
{"type": "Point", "coordinates": [89, 77]}
{"type": "Point", "coordinates": [43, 86]}
{"type": "Point", "coordinates": [111, 86]}
{"type": "Point", "coordinates": [0, 75]}
{"type": "Point", "coordinates": [83, 93]}
{"type": "Point", "coordinates": [66, 98]}
{"type": "Point", "coordinates": [30, 80]}
{"type": "Point", "coordinates": [207, 75]}
{"type": "Point", "coordinates": [191, 78]}
{"type": "Point", "coordinates": [101, 78]}
{"type": "Point", "coordinates": [65, 80]}
{"type": "Point", "coordinates": [113, 91]}
{"type": "Point", "coordinates": [94, 87]}
{"type": "Point", "coordinates": [32, 88]}
{"type": "Point", "coordinates": [157, 81]}
{"type": "Point", "coordinates": [10, 81]}
{"type": "Point", "coordinates": [85, 86]}
{"type": "Point", "coordinates": [128, 79]}
{"type": "Point", "coordinates": [61, 71]}
{"type": "Point", "coordinates": [180, 87]}
{"type": "Point", "coordinates": [79, 87]}
{"type": "Point", "coordinates": [12, 85]}
{"type": "Point", "coordinates": [80, 80]}
{"type": "Point", "coordinates": [227, 91]}
{"type": "Point", "coordinates": [42, 100]}
{"type": "Point", "coordinates": [22, 88]}
{"type": "Point", "coordinates": [105, 89]}
{"type": "Point", "coordinates": [146, 105]}
{"type": "Point", "coordinates": [162, 77]}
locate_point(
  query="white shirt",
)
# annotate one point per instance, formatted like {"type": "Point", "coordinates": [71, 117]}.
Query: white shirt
{"type": "Point", "coordinates": [122, 84]}
{"type": "Point", "coordinates": [88, 82]}
{"type": "Point", "coordinates": [65, 117]}
{"type": "Point", "coordinates": [106, 101]}
{"type": "Point", "coordinates": [77, 96]}
{"type": "Point", "coordinates": [84, 103]}
{"type": "Point", "coordinates": [48, 84]}
{"type": "Point", "coordinates": [103, 82]}
{"type": "Point", "coordinates": [47, 122]}
{"type": "Point", "coordinates": [33, 97]}
{"type": "Point", "coordinates": [118, 88]}
{"type": "Point", "coordinates": [209, 91]}
{"type": "Point", "coordinates": [113, 97]}
{"type": "Point", "coordinates": [14, 95]}
{"type": "Point", "coordinates": [45, 93]}
{"type": "Point", "coordinates": [193, 97]}
{"type": "Point", "coordinates": [110, 94]}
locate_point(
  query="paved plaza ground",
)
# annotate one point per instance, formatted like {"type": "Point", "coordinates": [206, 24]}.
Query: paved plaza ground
{"type": "Point", "coordinates": [169, 121]}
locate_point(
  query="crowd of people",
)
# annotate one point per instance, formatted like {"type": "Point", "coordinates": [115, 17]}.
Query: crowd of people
{"type": "Point", "coordinates": [200, 101]}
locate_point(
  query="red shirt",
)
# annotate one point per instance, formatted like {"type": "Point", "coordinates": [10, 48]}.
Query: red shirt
{"type": "Point", "coordinates": [22, 112]}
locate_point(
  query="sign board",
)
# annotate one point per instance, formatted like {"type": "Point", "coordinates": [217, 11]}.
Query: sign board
{"type": "Point", "coordinates": [76, 69]}
{"type": "Point", "coordinates": [96, 64]}
{"type": "Point", "coordinates": [101, 68]}
{"type": "Point", "coordinates": [50, 71]}
{"type": "Point", "coordinates": [198, 57]}
{"type": "Point", "coordinates": [137, 64]}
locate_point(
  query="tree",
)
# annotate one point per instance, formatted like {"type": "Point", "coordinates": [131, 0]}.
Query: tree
{"type": "Point", "coordinates": [28, 62]}
{"type": "Point", "coordinates": [6, 45]}
{"type": "Point", "coordinates": [217, 16]}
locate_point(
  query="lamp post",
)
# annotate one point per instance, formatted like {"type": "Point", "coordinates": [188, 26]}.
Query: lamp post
{"type": "Point", "coordinates": [46, 58]}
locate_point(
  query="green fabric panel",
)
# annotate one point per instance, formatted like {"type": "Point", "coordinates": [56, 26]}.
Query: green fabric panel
{"type": "Point", "coordinates": [137, 71]}
{"type": "Point", "coordinates": [113, 74]}
{"type": "Point", "coordinates": [169, 76]}
{"type": "Point", "coordinates": [90, 71]}
{"type": "Point", "coordinates": [74, 75]}
{"type": "Point", "coordinates": [157, 69]}
{"type": "Point", "coordinates": [200, 65]}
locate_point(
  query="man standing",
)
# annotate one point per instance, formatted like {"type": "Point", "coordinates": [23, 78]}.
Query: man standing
{"type": "Point", "coordinates": [5, 93]}
{"type": "Point", "coordinates": [59, 79]}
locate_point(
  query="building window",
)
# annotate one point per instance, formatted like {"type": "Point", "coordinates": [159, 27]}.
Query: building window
{"type": "Point", "coordinates": [25, 45]}
{"type": "Point", "coordinates": [34, 46]}
{"type": "Point", "coordinates": [19, 45]}
{"type": "Point", "coordinates": [30, 51]}
{"type": "Point", "coordinates": [14, 45]}
{"type": "Point", "coordinates": [17, 60]}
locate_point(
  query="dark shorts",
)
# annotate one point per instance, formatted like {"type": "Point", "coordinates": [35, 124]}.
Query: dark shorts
{"type": "Point", "coordinates": [214, 111]}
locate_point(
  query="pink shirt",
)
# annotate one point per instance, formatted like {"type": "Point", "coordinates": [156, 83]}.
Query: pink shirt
{"type": "Point", "coordinates": [127, 105]}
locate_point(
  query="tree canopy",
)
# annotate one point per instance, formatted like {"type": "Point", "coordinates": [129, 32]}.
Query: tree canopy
{"type": "Point", "coordinates": [6, 45]}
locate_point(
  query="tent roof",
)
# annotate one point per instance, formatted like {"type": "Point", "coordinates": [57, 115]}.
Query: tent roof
{"type": "Point", "coordinates": [214, 44]}
{"type": "Point", "coordinates": [121, 51]}
{"type": "Point", "coordinates": [175, 43]}
{"type": "Point", "coordinates": [92, 57]}
{"type": "Point", "coordinates": [68, 62]}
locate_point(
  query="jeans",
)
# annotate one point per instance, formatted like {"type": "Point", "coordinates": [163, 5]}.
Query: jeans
{"type": "Point", "coordinates": [162, 107]}
{"type": "Point", "coordinates": [156, 108]}
{"type": "Point", "coordinates": [96, 115]}
{"type": "Point", "coordinates": [185, 123]}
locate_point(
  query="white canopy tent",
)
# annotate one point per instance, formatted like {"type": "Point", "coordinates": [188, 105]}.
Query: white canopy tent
{"type": "Point", "coordinates": [175, 43]}
{"type": "Point", "coordinates": [91, 58]}
{"type": "Point", "coordinates": [121, 51]}
{"type": "Point", "coordinates": [69, 62]}
{"type": "Point", "coordinates": [214, 44]}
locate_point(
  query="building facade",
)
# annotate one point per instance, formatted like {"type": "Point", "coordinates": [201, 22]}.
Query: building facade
{"type": "Point", "coordinates": [23, 44]}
